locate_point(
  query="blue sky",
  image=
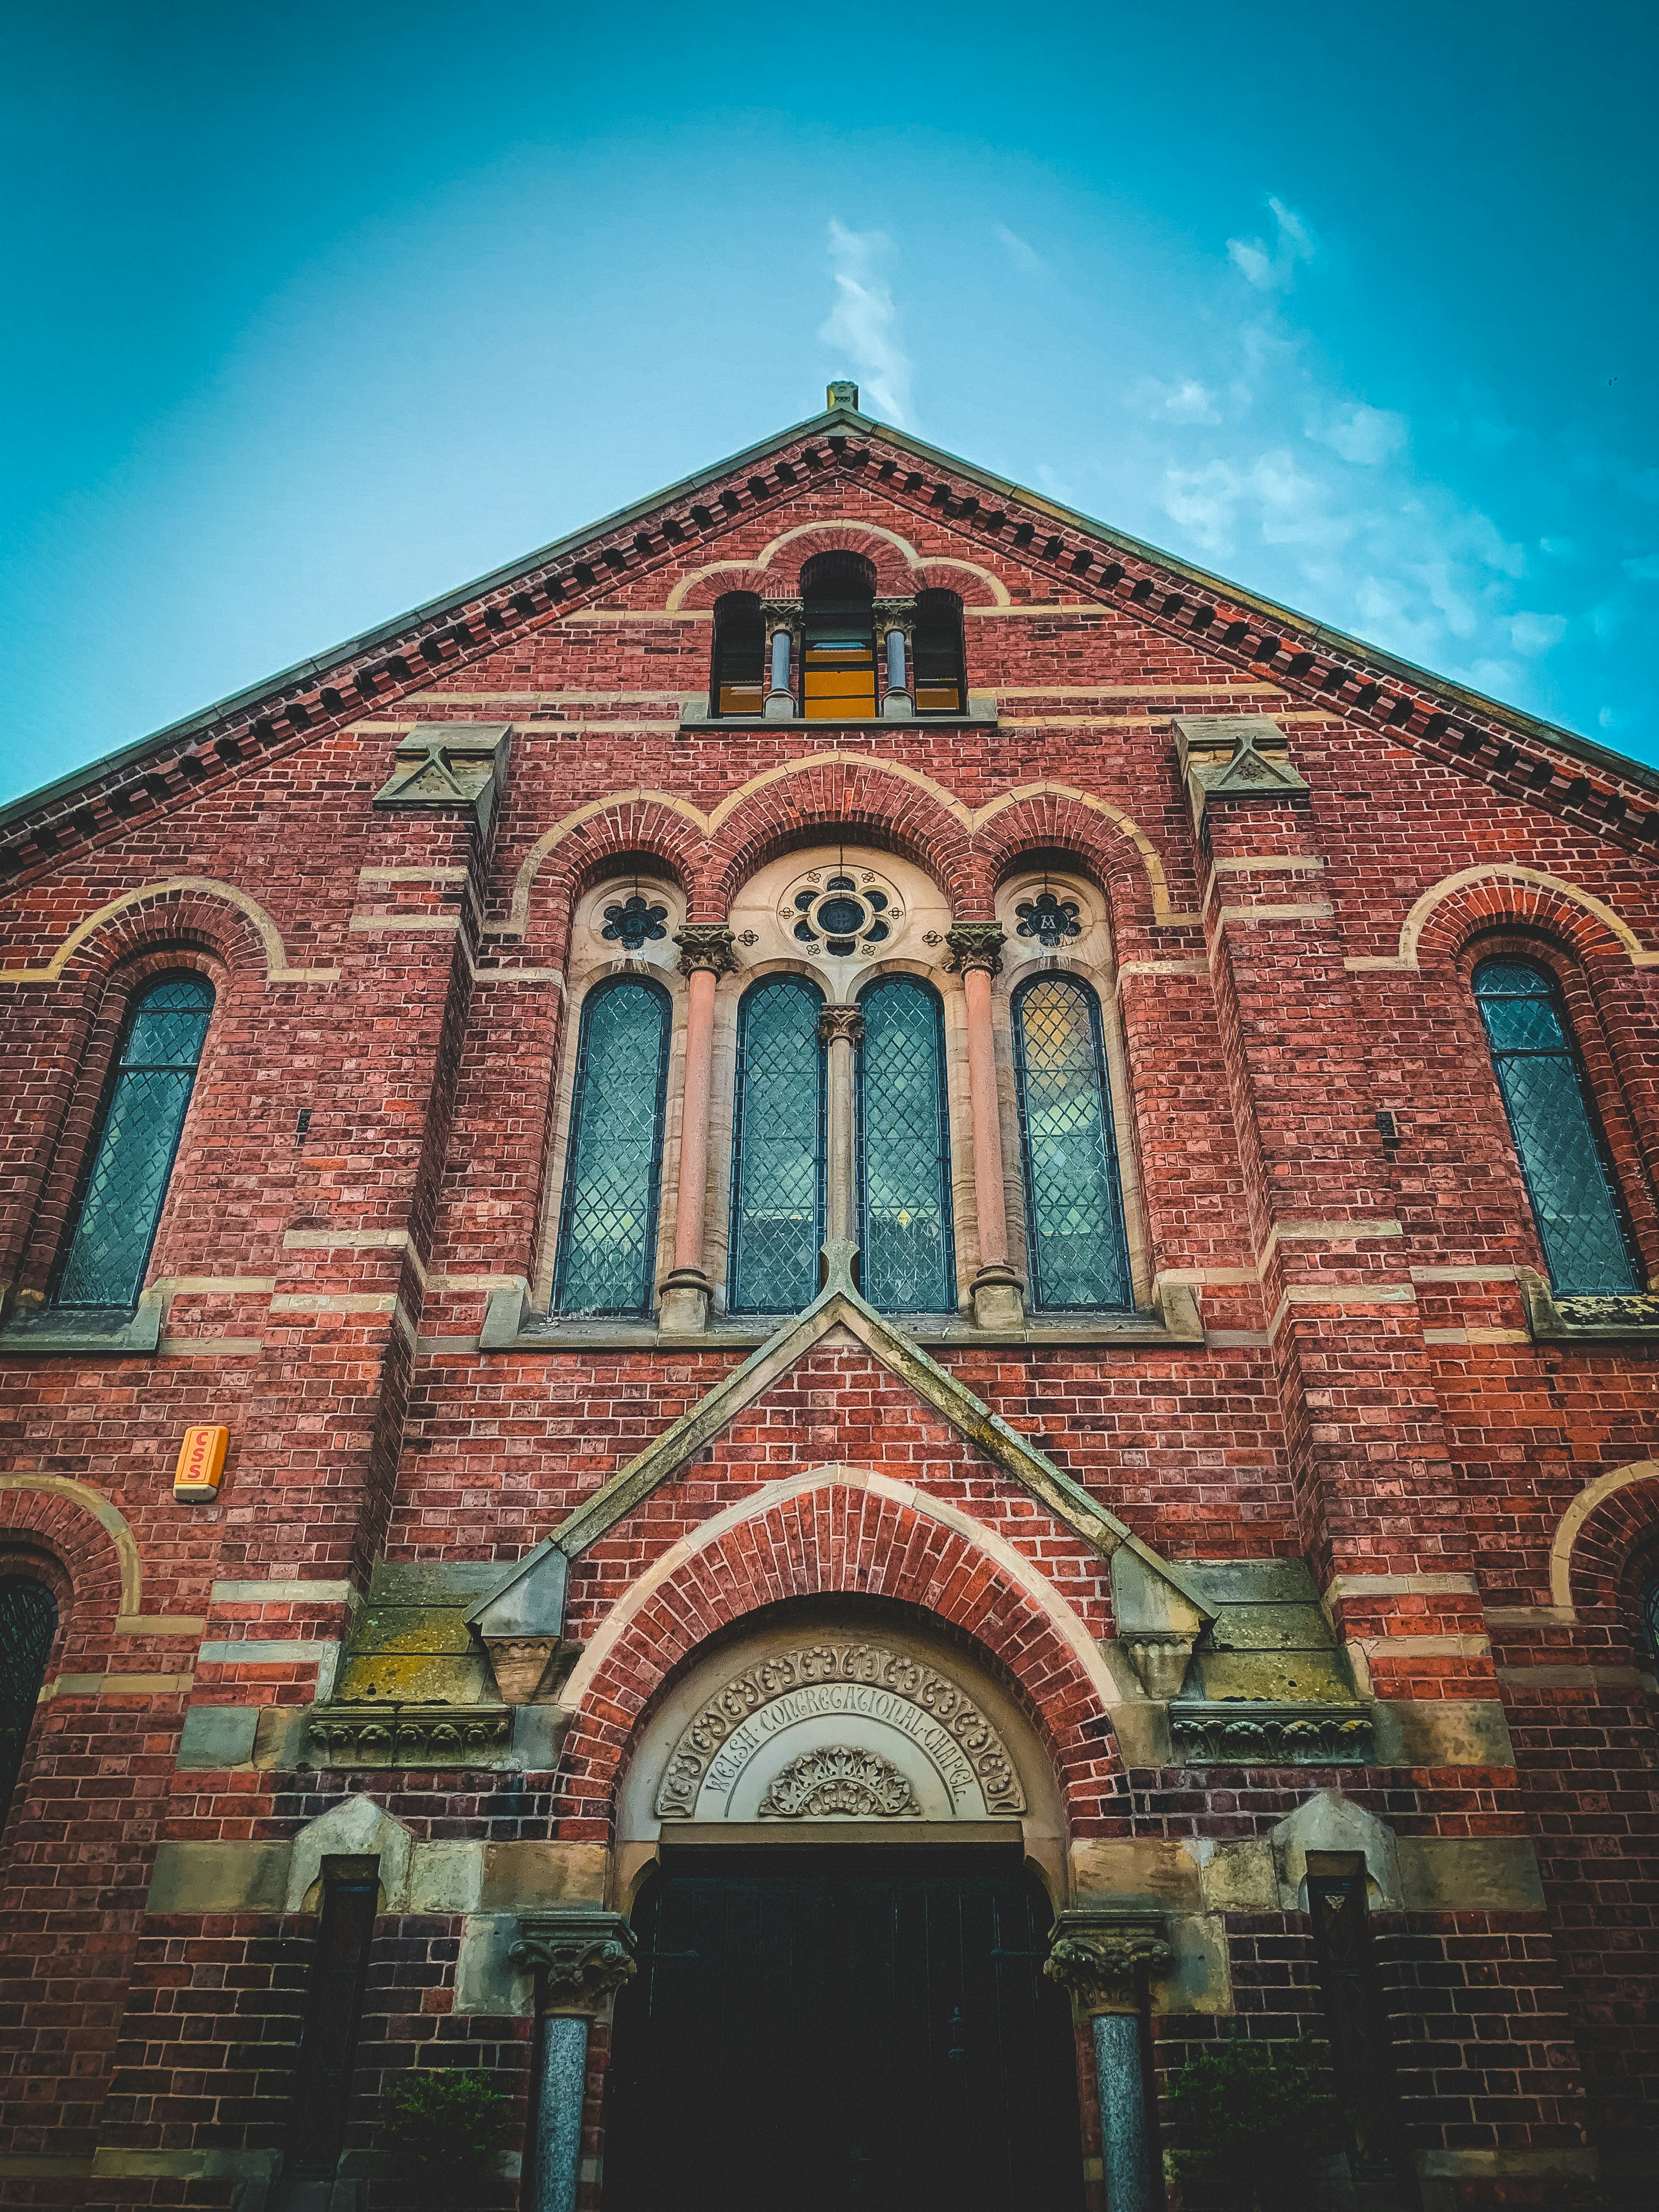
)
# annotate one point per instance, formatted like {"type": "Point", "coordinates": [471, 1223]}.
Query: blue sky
{"type": "Point", "coordinates": [317, 311]}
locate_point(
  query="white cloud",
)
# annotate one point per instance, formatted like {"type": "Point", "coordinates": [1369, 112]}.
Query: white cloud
{"type": "Point", "coordinates": [1535, 634]}
{"type": "Point", "coordinates": [1271, 267]}
{"type": "Point", "coordinates": [864, 321]}
{"type": "Point", "coordinates": [1366, 435]}
{"type": "Point", "coordinates": [1188, 401]}
{"type": "Point", "coordinates": [1024, 254]}
{"type": "Point", "coordinates": [1644, 569]}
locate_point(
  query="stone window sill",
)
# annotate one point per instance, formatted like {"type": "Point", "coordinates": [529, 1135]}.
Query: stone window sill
{"type": "Point", "coordinates": [1553, 1320]}
{"type": "Point", "coordinates": [979, 716]}
{"type": "Point", "coordinates": [53, 1330]}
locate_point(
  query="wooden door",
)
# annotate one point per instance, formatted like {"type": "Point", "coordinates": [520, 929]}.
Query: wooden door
{"type": "Point", "coordinates": [852, 2029]}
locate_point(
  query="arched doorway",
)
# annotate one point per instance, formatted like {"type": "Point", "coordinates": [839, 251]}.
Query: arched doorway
{"type": "Point", "coordinates": [828, 1832]}
{"type": "Point", "coordinates": [827, 2025]}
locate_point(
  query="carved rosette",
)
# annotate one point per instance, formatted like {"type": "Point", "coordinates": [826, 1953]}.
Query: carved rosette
{"type": "Point", "coordinates": [977, 945]}
{"type": "Point", "coordinates": [411, 1736]}
{"type": "Point", "coordinates": [872, 1664]}
{"type": "Point", "coordinates": [840, 1025]}
{"type": "Point", "coordinates": [580, 1958]}
{"type": "Point", "coordinates": [1102, 1958]}
{"type": "Point", "coordinates": [707, 945]}
{"type": "Point", "coordinates": [839, 1781]}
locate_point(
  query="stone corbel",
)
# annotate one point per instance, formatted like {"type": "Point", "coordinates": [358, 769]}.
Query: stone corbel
{"type": "Point", "coordinates": [1160, 1657]}
{"type": "Point", "coordinates": [520, 1623]}
{"type": "Point", "coordinates": [451, 764]}
{"type": "Point", "coordinates": [1234, 756]}
{"type": "Point", "coordinates": [580, 1958]}
{"type": "Point", "coordinates": [1103, 1956]}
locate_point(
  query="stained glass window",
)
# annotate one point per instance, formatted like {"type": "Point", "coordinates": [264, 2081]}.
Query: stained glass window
{"type": "Point", "coordinates": [1078, 1253]}
{"type": "Point", "coordinates": [1575, 1200]}
{"type": "Point", "coordinates": [904, 1153]}
{"type": "Point", "coordinates": [1647, 1605]}
{"type": "Point", "coordinates": [607, 1227]}
{"type": "Point", "coordinates": [777, 1171]}
{"type": "Point", "coordinates": [119, 1205]}
{"type": "Point", "coordinates": [29, 1621]}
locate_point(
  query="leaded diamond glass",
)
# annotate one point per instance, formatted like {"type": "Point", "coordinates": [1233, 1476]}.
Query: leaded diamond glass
{"type": "Point", "coordinates": [777, 1171]}
{"type": "Point", "coordinates": [1074, 1210]}
{"type": "Point", "coordinates": [608, 1229]}
{"type": "Point", "coordinates": [1575, 1201]}
{"type": "Point", "coordinates": [120, 1203]}
{"type": "Point", "coordinates": [904, 1166]}
{"type": "Point", "coordinates": [29, 1621]}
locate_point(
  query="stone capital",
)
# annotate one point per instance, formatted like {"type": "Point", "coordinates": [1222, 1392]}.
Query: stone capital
{"type": "Point", "coordinates": [707, 945]}
{"type": "Point", "coordinates": [1100, 1956]}
{"type": "Point", "coordinates": [840, 1025]}
{"type": "Point", "coordinates": [977, 945]}
{"type": "Point", "coordinates": [580, 1959]}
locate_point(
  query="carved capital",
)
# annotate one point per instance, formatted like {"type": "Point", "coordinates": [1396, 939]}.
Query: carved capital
{"type": "Point", "coordinates": [707, 945]}
{"type": "Point", "coordinates": [781, 614]}
{"type": "Point", "coordinates": [1101, 1957]}
{"type": "Point", "coordinates": [900, 613]}
{"type": "Point", "coordinates": [977, 945]}
{"type": "Point", "coordinates": [840, 1025]}
{"type": "Point", "coordinates": [580, 1958]}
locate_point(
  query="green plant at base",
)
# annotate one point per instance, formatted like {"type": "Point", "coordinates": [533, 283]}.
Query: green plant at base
{"type": "Point", "coordinates": [441, 2128]}
{"type": "Point", "coordinates": [1256, 2114]}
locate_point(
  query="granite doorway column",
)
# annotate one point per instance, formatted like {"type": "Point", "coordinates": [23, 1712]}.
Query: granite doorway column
{"type": "Point", "coordinates": [1104, 1959]}
{"type": "Point", "coordinates": [579, 1960]}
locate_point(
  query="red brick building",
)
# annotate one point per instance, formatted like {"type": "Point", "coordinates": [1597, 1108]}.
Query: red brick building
{"type": "Point", "coordinates": [925, 1244]}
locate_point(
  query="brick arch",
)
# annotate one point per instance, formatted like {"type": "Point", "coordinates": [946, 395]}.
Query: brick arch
{"type": "Point", "coordinates": [89, 1541]}
{"type": "Point", "coordinates": [839, 1531]}
{"type": "Point", "coordinates": [1449, 913]}
{"type": "Point", "coordinates": [194, 909]}
{"type": "Point", "coordinates": [1607, 1524]}
{"type": "Point", "coordinates": [697, 593]}
{"type": "Point", "coordinates": [839, 792]}
{"type": "Point", "coordinates": [573, 852]}
{"type": "Point", "coordinates": [895, 576]}
{"type": "Point", "coordinates": [1109, 844]}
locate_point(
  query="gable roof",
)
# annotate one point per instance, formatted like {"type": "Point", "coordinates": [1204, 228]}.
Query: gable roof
{"type": "Point", "coordinates": [1431, 713]}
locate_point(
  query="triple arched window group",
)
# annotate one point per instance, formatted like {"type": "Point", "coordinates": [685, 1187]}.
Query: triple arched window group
{"type": "Point", "coordinates": [1076, 1248]}
{"type": "Point", "coordinates": [1075, 1235]}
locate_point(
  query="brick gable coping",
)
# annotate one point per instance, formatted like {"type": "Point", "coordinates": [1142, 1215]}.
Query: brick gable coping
{"type": "Point", "coordinates": [1518, 755]}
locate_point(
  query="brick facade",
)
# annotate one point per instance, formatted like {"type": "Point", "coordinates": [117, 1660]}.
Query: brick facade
{"type": "Point", "coordinates": [1318, 1155]}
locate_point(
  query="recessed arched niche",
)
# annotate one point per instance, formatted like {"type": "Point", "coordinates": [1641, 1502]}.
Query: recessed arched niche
{"type": "Point", "coordinates": [839, 1723]}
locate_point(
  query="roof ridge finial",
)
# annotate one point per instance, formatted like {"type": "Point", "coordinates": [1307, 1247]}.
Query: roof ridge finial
{"type": "Point", "coordinates": [844, 393]}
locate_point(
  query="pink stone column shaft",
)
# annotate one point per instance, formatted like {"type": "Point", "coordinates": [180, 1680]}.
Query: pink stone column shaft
{"type": "Point", "coordinates": [694, 1120]}
{"type": "Point", "coordinates": [988, 1200]}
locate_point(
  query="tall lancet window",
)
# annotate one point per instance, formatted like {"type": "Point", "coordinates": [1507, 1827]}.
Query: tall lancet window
{"type": "Point", "coordinates": [778, 1165]}
{"type": "Point", "coordinates": [904, 1156]}
{"type": "Point", "coordinates": [607, 1226]}
{"type": "Point", "coordinates": [1582, 1224]}
{"type": "Point", "coordinates": [118, 1209]}
{"type": "Point", "coordinates": [1079, 1254]}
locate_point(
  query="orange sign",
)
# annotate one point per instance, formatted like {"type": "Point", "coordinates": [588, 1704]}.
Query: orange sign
{"type": "Point", "coordinates": [201, 1464]}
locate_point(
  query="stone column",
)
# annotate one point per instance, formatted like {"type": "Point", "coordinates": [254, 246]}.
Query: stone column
{"type": "Point", "coordinates": [898, 697]}
{"type": "Point", "coordinates": [1101, 1959]}
{"type": "Point", "coordinates": [780, 618]}
{"type": "Point", "coordinates": [840, 1029]}
{"type": "Point", "coordinates": [998, 1292]}
{"type": "Point", "coordinates": [579, 1959]}
{"type": "Point", "coordinates": [705, 954]}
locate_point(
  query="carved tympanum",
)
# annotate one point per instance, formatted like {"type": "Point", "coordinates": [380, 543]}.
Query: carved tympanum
{"type": "Point", "coordinates": [839, 1780]}
{"type": "Point", "coordinates": [869, 1666]}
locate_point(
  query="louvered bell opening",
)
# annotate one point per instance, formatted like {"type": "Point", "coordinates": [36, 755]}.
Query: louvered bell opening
{"type": "Point", "coordinates": [839, 678]}
{"type": "Point", "coordinates": [940, 678]}
{"type": "Point", "coordinates": [739, 682]}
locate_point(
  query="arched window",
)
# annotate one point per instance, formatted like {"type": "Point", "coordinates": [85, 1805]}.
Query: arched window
{"type": "Point", "coordinates": [777, 1166]}
{"type": "Point", "coordinates": [904, 1151]}
{"type": "Point", "coordinates": [838, 679]}
{"type": "Point", "coordinates": [940, 675]}
{"type": "Point", "coordinates": [1647, 1613]}
{"type": "Point", "coordinates": [29, 1621]}
{"type": "Point", "coordinates": [608, 1224]}
{"type": "Point", "coordinates": [1576, 1204]}
{"type": "Point", "coordinates": [118, 1207]}
{"type": "Point", "coordinates": [1078, 1253]}
{"type": "Point", "coordinates": [737, 685]}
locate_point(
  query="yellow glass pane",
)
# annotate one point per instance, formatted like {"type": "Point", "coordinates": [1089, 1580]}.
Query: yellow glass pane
{"type": "Point", "coordinates": [741, 698]}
